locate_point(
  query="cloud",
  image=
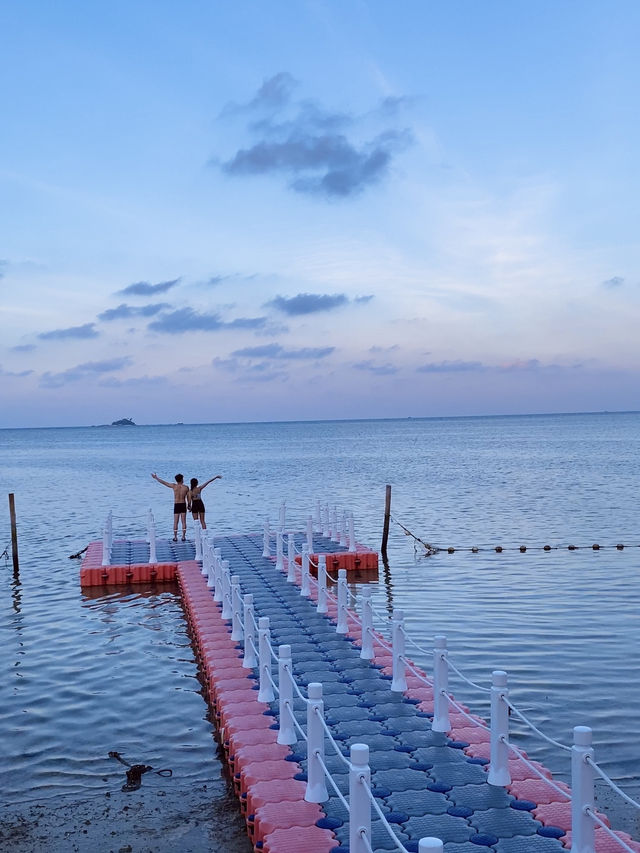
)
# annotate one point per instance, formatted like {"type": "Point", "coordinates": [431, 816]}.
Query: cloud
{"type": "Point", "coordinates": [83, 371]}
{"type": "Point", "coordinates": [23, 348]}
{"type": "Point", "coordinates": [188, 320]}
{"type": "Point", "coordinates": [376, 348]}
{"type": "Point", "coordinates": [275, 351]}
{"type": "Point", "coordinates": [452, 367]}
{"type": "Point", "coordinates": [310, 146]}
{"type": "Point", "coordinates": [134, 382]}
{"type": "Point", "coordinates": [273, 95]}
{"type": "Point", "coordinates": [14, 374]}
{"type": "Point", "coordinates": [308, 303]}
{"type": "Point", "coordinates": [3, 264]}
{"type": "Point", "coordinates": [124, 312]}
{"type": "Point", "coordinates": [378, 369]}
{"type": "Point", "coordinates": [612, 283]}
{"type": "Point", "coordinates": [364, 299]}
{"type": "Point", "coordinates": [82, 332]}
{"type": "Point", "coordinates": [143, 288]}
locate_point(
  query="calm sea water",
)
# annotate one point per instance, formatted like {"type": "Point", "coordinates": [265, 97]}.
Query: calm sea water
{"type": "Point", "coordinates": [85, 674]}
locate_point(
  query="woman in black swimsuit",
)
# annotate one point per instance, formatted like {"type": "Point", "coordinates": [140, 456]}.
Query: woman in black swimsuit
{"type": "Point", "coordinates": [194, 501]}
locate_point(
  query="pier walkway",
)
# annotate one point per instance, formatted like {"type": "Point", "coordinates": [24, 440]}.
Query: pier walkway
{"type": "Point", "coordinates": [423, 782]}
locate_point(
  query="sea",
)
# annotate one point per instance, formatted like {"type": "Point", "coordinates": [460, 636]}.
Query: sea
{"type": "Point", "coordinates": [83, 674]}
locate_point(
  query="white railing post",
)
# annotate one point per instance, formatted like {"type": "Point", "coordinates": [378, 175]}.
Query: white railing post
{"type": "Point", "coordinates": [582, 824]}
{"type": "Point", "coordinates": [316, 788]}
{"type": "Point", "coordinates": [499, 767]}
{"type": "Point", "coordinates": [266, 538]}
{"type": "Point", "coordinates": [265, 694]}
{"type": "Point", "coordinates": [366, 651]}
{"type": "Point", "coordinates": [335, 537]}
{"type": "Point", "coordinates": [399, 681]}
{"type": "Point", "coordinates": [227, 611]}
{"type": "Point", "coordinates": [106, 550]}
{"type": "Point", "coordinates": [150, 521]}
{"type": "Point", "coordinates": [153, 558]}
{"type": "Point", "coordinates": [325, 521]}
{"type": "Point", "coordinates": [305, 587]}
{"type": "Point", "coordinates": [310, 534]}
{"type": "Point", "coordinates": [249, 660]}
{"type": "Point", "coordinates": [279, 552]}
{"type": "Point", "coordinates": [218, 592]}
{"type": "Point", "coordinates": [343, 528]}
{"type": "Point", "coordinates": [210, 563]}
{"type": "Point", "coordinates": [197, 538]}
{"type": "Point", "coordinates": [440, 686]}
{"type": "Point", "coordinates": [291, 558]}
{"type": "Point", "coordinates": [322, 584]}
{"type": "Point", "coordinates": [342, 626]}
{"type": "Point", "coordinates": [352, 535]}
{"type": "Point", "coordinates": [237, 633]}
{"type": "Point", "coordinates": [430, 845]}
{"type": "Point", "coordinates": [286, 730]}
{"type": "Point", "coordinates": [283, 516]}
{"type": "Point", "coordinates": [318, 516]}
{"type": "Point", "coordinates": [359, 802]}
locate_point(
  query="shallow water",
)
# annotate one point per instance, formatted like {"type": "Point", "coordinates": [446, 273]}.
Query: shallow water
{"type": "Point", "coordinates": [84, 674]}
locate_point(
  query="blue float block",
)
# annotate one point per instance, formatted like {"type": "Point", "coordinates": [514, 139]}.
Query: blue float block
{"type": "Point", "coordinates": [380, 838]}
{"type": "Point", "coordinates": [358, 728]}
{"type": "Point", "coordinates": [416, 739]}
{"type": "Point", "coordinates": [306, 676]}
{"type": "Point", "coordinates": [391, 707]}
{"type": "Point", "coordinates": [418, 803]}
{"type": "Point", "coordinates": [388, 760]}
{"type": "Point", "coordinates": [527, 844]}
{"type": "Point", "coordinates": [401, 780]}
{"type": "Point", "coordinates": [342, 712]}
{"type": "Point", "coordinates": [440, 755]}
{"type": "Point", "coordinates": [445, 827]}
{"type": "Point", "coordinates": [413, 724]}
{"type": "Point", "coordinates": [375, 742]}
{"type": "Point", "coordinates": [505, 823]}
{"type": "Point", "coordinates": [480, 797]}
{"type": "Point", "coordinates": [461, 773]}
{"type": "Point", "coordinates": [336, 698]}
{"type": "Point", "coordinates": [464, 847]}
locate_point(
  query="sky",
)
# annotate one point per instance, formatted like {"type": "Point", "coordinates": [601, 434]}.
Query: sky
{"type": "Point", "coordinates": [317, 209]}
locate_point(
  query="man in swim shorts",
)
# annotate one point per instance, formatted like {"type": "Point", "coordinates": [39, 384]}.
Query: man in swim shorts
{"type": "Point", "coordinates": [179, 503]}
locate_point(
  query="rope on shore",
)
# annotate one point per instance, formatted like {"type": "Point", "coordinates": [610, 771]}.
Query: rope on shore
{"type": "Point", "coordinates": [430, 549]}
{"type": "Point", "coordinates": [135, 771]}
{"type": "Point", "coordinates": [78, 555]}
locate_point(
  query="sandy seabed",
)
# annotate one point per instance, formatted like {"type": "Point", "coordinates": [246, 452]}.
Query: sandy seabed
{"type": "Point", "coordinates": [164, 819]}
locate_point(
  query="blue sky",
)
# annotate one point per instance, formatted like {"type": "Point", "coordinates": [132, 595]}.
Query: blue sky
{"type": "Point", "coordinates": [329, 209]}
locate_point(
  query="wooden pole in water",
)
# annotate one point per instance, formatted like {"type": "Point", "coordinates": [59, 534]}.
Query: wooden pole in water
{"type": "Point", "coordinates": [14, 533]}
{"type": "Point", "coordinates": [385, 529]}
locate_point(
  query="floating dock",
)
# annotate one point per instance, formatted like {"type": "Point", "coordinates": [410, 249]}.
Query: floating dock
{"type": "Point", "coordinates": [425, 783]}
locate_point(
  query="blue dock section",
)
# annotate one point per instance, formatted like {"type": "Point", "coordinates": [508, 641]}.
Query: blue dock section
{"type": "Point", "coordinates": [423, 781]}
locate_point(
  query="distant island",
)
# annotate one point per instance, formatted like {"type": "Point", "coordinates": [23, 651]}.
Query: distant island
{"type": "Point", "coordinates": [123, 422]}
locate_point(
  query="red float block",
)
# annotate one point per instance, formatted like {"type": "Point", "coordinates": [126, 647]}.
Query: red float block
{"type": "Point", "coordinates": [275, 791]}
{"type": "Point", "coordinates": [263, 771]}
{"type": "Point", "coordinates": [316, 840]}
{"type": "Point", "coordinates": [272, 816]}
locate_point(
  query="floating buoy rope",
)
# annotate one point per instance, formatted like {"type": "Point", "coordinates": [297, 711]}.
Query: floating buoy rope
{"type": "Point", "coordinates": [430, 549]}
{"type": "Point", "coordinates": [136, 771]}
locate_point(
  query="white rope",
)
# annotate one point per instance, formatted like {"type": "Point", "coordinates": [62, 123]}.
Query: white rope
{"type": "Point", "coordinates": [381, 815]}
{"type": "Point", "coordinates": [609, 832]}
{"type": "Point", "coordinates": [273, 684]}
{"type": "Point", "coordinates": [610, 782]}
{"type": "Point", "coordinates": [296, 723]}
{"type": "Point", "coordinates": [412, 642]}
{"type": "Point", "coordinates": [416, 672]}
{"type": "Point", "coordinates": [333, 784]}
{"type": "Point", "coordinates": [537, 772]}
{"type": "Point", "coordinates": [464, 678]}
{"type": "Point", "coordinates": [459, 708]}
{"type": "Point", "coordinates": [532, 727]}
{"type": "Point", "coordinates": [366, 842]}
{"type": "Point", "coordinates": [330, 736]}
{"type": "Point", "coordinates": [295, 684]}
{"type": "Point", "coordinates": [380, 641]}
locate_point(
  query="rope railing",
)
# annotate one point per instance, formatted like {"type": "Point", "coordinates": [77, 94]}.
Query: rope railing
{"type": "Point", "coordinates": [594, 817]}
{"type": "Point", "coordinates": [611, 783]}
{"type": "Point", "coordinates": [584, 767]}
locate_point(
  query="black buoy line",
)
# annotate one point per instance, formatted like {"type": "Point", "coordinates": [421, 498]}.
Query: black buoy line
{"type": "Point", "coordinates": [431, 550]}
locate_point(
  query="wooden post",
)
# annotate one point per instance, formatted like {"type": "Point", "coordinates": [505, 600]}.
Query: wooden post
{"type": "Point", "coordinates": [14, 533]}
{"type": "Point", "coordinates": [385, 529]}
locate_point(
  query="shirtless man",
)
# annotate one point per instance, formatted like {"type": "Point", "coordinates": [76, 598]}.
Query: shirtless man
{"type": "Point", "coordinates": [179, 504]}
